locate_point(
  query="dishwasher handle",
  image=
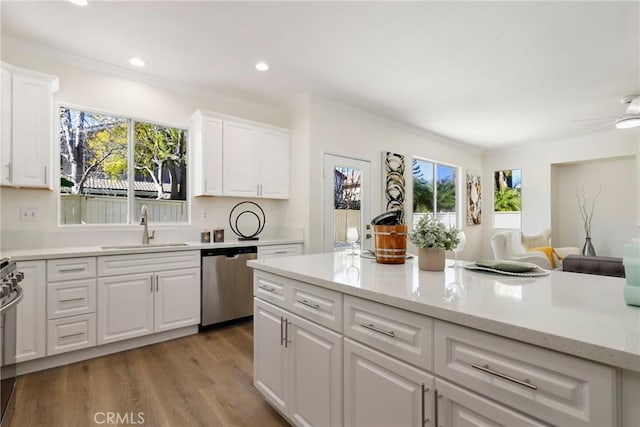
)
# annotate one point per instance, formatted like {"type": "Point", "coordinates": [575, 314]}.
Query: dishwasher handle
{"type": "Point", "coordinates": [229, 252]}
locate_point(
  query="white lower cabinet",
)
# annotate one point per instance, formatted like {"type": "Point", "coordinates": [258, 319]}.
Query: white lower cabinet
{"type": "Point", "coordinates": [298, 366]}
{"type": "Point", "coordinates": [71, 333]}
{"type": "Point", "coordinates": [460, 408]}
{"type": "Point", "coordinates": [31, 312]}
{"type": "Point", "coordinates": [382, 391]}
{"type": "Point", "coordinates": [139, 304]}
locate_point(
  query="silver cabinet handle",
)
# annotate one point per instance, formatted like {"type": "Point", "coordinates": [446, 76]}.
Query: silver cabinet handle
{"type": "Point", "coordinates": [380, 331]}
{"type": "Point", "coordinates": [286, 333]}
{"type": "Point", "coordinates": [151, 283]}
{"type": "Point", "coordinates": [266, 288]}
{"type": "Point", "coordinates": [10, 171]}
{"type": "Point", "coordinates": [157, 284]}
{"type": "Point", "coordinates": [71, 268]}
{"type": "Point", "coordinates": [308, 304]}
{"type": "Point", "coordinates": [279, 252]}
{"type": "Point", "coordinates": [72, 299]}
{"type": "Point", "coordinates": [282, 330]}
{"type": "Point", "coordinates": [485, 368]}
{"type": "Point", "coordinates": [45, 174]}
{"type": "Point", "coordinates": [71, 335]}
{"type": "Point", "coordinates": [436, 396]}
{"type": "Point", "coordinates": [422, 389]}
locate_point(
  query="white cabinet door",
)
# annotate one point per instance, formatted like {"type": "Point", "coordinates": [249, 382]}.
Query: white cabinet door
{"type": "Point", "coordinates": [177, 299]}
{"type": "Point", "coordinates": [31, 131]}
{"type": "Point", "coordinates": [31, 312]}
{"type": "Point", "coordinates": [272, 168]}
{"type": "Point", "coordinates": [5, 161]}
{"type": "Point", "coordinates": [206, 158]}
{"type": "Point", "coordinates": [125, 307]}
{"type": "Point", "coordinates": [270, 365]}
{"type": "Point", "coordinates": [458, 407]}
{"type": "Point", "coordinates": [382, 391]}
{"type": "Point", "coordinates": [239, 178]}
{"type": "Point", "coordinates": [315, 373]}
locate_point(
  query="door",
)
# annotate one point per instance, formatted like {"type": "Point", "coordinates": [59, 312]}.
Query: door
{"type": "Point", "coordinates": [5, 160]}
{"type": "Point", "coordinates": [315, 374]}
{"type": "Point", "coordinates": [272, 167]}
{"type": "Point", "coordinates": [125, 307]}
{"type": "Point", "coordinates": [458, 407]}
{"type": "Point", "coordinates": [382, 391]}
{"type": "Point", "coordinates": [177, 299]}
{"type": "Point", "coordinates": [31, 131]}
{"type": "Point", "coordinates": [269, 354]}
{"type": "Point", "coordinates": [346, 203]}
{"type": "Point", "coordinates": [238, 167]}
{"type": "Point", "coordinates": [31, 312]}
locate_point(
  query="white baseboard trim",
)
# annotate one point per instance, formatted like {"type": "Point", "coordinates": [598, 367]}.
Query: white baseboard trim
{"type": "Point", "coordinates": [102, 350]}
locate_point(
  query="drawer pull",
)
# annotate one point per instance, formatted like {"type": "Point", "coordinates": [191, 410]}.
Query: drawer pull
{"type": "Point", "coordinates": [380, 331]}
{"type": "Point", "coordinates": [71, 268]}
{"type": "Point", "coordinates": [266, 288]}
{"type": "Point", "coordinates": [485, 368]}
{"type": "Point", "coordinates": [308, 304]}
{"type": "Point", "coordinates": [72, 299]}
{"type": "Point", "coordinates": [280, 252]}
{"type": "Point", "coordinates": [71, 335]}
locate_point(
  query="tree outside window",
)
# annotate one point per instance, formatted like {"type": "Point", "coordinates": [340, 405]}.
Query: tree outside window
{"type": "Point", "coordinates": [98, 183]}
{"type": "Point", "coordinates": [435, 191]}
{"type": "Point", "coordinates": [507, 198]}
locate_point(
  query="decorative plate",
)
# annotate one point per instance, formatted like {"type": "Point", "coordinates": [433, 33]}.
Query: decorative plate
{"type": "Point", "coordinates": [506, 265]}
{"type": "Point", "coordinates": [535, 272]}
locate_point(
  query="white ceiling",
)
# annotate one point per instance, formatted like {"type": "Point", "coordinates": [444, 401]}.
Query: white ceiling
{"type": "Point", "coordinates": [483, 73]}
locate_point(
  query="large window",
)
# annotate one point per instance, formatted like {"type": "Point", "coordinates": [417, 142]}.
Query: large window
{"type": "Point", "coordinates": [507, 198]}
{"type": "Point", "coordinates": [111, 166]}
{"type": "Point", "coordinates": [435, 191]}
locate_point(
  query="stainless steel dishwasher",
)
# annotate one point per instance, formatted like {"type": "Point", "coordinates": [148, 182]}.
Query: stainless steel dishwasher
{"type": "Point", "coordinates": [227, 284]}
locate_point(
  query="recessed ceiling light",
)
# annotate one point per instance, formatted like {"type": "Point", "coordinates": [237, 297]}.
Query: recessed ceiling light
{"type": "Point", "coordinates": [79, 2]}
{"type": "Point", "coordinates": [137, 62]}
{"type": "Point", "coordinates": [262, 66]}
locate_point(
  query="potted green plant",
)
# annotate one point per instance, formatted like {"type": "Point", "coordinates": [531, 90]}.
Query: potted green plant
{"type": "Point", "coordinates": [433, 238]}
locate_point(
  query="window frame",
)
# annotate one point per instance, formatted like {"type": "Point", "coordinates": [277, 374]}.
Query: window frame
{"type": "Point", "coordinates": [458, 187]}
{"type": "Point", "coordinates": [131, 211]}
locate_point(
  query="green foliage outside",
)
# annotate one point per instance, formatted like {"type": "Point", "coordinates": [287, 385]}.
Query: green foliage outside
{"type": "Point", "coordinates": [507, 200]}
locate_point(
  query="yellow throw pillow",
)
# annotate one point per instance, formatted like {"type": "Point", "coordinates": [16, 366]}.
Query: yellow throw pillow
{"type": "Point", "coordinates": [548, 251]}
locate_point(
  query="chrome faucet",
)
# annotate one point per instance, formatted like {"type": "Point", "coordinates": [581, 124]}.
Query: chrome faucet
{"type": "Point", "coordinates": [145, 231]}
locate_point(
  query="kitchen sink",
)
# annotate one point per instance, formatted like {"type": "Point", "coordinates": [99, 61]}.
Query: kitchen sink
{"type": "Point", "coordinates": [140, 246]}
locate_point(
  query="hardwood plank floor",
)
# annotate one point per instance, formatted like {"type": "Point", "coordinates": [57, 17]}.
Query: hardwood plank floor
{"type": "Point", "coordinates": [200, 380]}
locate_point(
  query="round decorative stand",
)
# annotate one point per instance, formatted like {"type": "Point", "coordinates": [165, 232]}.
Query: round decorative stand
{"type": "Point", "coordinates": [251, 209]}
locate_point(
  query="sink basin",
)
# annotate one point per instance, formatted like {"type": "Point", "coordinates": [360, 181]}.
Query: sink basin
{"type": "Point", "coordinates": [140, 246]}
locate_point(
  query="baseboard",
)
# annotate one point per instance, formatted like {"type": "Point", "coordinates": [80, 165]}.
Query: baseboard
{"type": "Point", "coordinates": [102, 350]}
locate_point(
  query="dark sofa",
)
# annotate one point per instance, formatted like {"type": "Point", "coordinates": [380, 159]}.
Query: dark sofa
{"type": "Point", "coordinates": [601, 265]}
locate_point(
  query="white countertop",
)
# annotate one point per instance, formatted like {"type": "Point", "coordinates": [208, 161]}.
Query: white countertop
{"type": "Point", "coordinates": [579, 314]}
{"type": "Point", "coordinates": [83, 251]}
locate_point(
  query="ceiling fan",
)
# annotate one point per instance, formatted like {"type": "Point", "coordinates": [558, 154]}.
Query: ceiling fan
{"type": "Point", "coordinates": [629, 119]}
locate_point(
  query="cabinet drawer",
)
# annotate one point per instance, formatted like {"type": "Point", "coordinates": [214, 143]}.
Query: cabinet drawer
{"type": "Point", "coordinates": [71, 298]}
{"type": "Point", "coordinates": [554, 387]}
{"type": "Point", "coordinates": [458, 407]}
{"type": "Point", "coordinates": [270, 287]}
{"type": "Point", "coordinates": [114, 265]}
{"type": "Point", "coordinates": [405, 335]}
{"type": "Point", "coordinates": [279, 250]}
{"type": "Point", "coordinates": [71, 269]}
{"type": "Point", "coordinates": [71, 333]}
{"type": "Point", "coordinates": [323, 306]}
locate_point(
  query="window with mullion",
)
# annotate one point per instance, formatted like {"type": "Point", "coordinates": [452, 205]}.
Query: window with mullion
{"type": "Point", "coordinates": [435, 191]}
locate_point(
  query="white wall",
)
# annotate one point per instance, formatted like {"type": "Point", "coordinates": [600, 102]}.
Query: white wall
{"type": "Point", "coordinates": [614, 213]}
{"type": "Point", "coordinates": [536, 162]}
{"type": "Point", "coordinates": [350, 132]}
{"type": "Point", "coordinates": [129, 96]}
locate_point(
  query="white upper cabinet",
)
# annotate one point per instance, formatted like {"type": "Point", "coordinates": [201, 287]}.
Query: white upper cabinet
{"type": "Point", "coordinates": [27, 127]}
{"type": "Point", "coordinates": [206, 154]}
{"type": "Point", "coordinates": [238, 158]}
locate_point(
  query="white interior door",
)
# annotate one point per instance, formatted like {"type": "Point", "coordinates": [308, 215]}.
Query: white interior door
{"type": "Point", "coordinates": [346, 197]}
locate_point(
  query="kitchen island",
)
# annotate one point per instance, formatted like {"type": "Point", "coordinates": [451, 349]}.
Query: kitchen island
{"type": "Point", "coordinates": [545, 332]}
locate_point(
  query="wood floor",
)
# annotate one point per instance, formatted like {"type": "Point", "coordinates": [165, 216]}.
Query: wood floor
{"type": "Point", "coordinates": [200, 380]}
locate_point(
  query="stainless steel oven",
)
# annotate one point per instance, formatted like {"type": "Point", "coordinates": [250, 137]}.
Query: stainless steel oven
{"type": "Point", "coordinates": [10, 296]}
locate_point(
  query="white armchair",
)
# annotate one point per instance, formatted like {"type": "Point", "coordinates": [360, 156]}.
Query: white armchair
{"type": "Point", "coordinates": [503, 249]}
{"type": "Point", "coordinates": [543, 240]}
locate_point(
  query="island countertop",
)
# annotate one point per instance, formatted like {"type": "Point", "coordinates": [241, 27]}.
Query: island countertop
{"type": "Point", "coordinates": [579, 314]}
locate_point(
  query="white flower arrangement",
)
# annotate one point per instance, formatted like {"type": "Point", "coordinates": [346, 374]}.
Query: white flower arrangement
{"type": "Point", "coordinates": [428, 232]}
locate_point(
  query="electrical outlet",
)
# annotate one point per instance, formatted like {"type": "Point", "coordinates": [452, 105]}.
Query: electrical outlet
{"type": "Point", "coordinates": [204, 214]}
{"type": "Point", "coordinates": [29, 214]}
